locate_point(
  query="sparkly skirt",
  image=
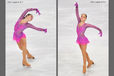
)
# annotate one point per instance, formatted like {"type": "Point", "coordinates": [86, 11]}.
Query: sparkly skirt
{"type": "Point", "coordinates": [15, 37]}
{"type": "Point", "coordinates": [82, 40]}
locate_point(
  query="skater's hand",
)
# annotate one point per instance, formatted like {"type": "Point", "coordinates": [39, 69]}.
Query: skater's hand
{"type": "Point", "coordinates": [45, 30]}
{"type": "Point", "coordinates": [76, 4]}
{"type": "Point", "coordinates": [37, 11]}
{"type": "Point", "coordinates": [100, 33]}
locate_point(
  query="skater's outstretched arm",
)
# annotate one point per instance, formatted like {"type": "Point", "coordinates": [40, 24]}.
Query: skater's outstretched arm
{"type": "Point", "coordinates": [23, 14]}
{"type": "Point", "coordinates": [93, 26]}
{"type": "Point", "coordinates": [36, 28]}
{"type": "Point", "coordinates": [27, 10]}
{"type": "Point", "coordinates": [77, 12]}
{"type": "Point", "coordinates": [28, 25]}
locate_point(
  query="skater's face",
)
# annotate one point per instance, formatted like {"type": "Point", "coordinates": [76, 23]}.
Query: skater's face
{"type": "Point", "coordinates": [83, 17]}
{"type": "Point", "coordinates": [29, 17]}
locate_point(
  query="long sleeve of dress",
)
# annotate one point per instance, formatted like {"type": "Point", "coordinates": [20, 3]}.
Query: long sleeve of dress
{"type": "Point", "coordinates": [25, 12]}
{"type": "Point", "coordinates": [36, 28]}
{"type": "Point", "coordinates": [93, 26]}
{"type": "Point", "coordinates": [77, 12]}
{"type": "Point", "coordinates": [28, 25]}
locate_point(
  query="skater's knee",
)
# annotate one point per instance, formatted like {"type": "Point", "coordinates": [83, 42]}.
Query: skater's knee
{"type": "Point", "coordinates": [84, 53]}
{"type": "Point", "coordinates": [23, 48]}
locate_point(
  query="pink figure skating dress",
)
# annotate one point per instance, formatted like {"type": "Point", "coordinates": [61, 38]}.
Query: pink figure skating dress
{"type": "Point", "coordinates": [82, 39]}
{"type": "Point", "coordinates": [19, 28]}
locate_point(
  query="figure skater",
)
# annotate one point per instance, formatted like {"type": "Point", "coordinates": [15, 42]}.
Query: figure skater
{"type": "Point", "coordinates": [20, 37]}
{"type": "Point", "coordinates": [82, 39]}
